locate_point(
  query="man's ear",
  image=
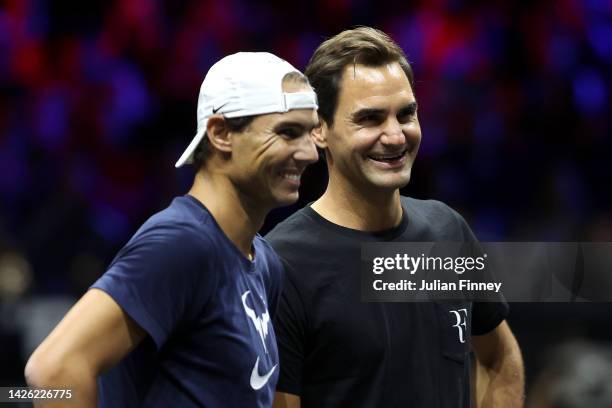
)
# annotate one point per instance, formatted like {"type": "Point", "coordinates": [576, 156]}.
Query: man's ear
{"type": "Point", "coordinates": [319, 134]}
{"type": "Point", "coordinates": [218, 133]}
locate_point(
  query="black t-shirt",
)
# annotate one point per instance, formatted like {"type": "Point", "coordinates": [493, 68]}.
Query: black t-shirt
{"type": "Point", "coordinates": [337, 351]}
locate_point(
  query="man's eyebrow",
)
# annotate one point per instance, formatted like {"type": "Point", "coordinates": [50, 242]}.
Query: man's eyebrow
{"type": "Point", "coordinates": [411, 106]}
{"type": "Point", "coordinates": [367, 112]}
{"type": "Point", "coordinates": [294, 124]}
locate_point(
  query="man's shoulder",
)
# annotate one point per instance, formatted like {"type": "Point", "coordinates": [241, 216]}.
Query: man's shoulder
{"type": "Point", "coordinates": [298, 237]}
{"type": "Point", "coordinates": [427, 206]}
{"type": "Point", "coordinates": [265, 250]}
{"type": "Point", "coordinates": [182, 213]}
{"type": "Point", "coordinates": [431, 210]}
{"type": "Point", "coordinates": [433, 220]}
{"type": "Point", "coordinates": [294, 227]}
{"type": "Point", "coordinates": [181, 226]}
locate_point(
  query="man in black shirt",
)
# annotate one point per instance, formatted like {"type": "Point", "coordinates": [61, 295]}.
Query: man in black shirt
{"type": "Point", "coordinates": [336, 351]}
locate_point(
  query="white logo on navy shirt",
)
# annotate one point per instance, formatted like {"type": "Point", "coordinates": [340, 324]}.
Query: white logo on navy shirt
{"type": "Point", "coordinates": [261, 325]}
{"type": "Point", "coordinates": [461, 324]}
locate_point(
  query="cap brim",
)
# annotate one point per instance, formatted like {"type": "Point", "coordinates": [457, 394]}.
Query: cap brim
{"type": "Point", "coordinates": [187, 156]}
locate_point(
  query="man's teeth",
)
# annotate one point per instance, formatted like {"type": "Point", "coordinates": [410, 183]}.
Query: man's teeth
{"type": "Point", "coordinates": [291, 176]}
{"type": "Point", "coordinates": [386, 157]}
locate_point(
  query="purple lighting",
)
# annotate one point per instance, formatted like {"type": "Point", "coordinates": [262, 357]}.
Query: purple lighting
{"type": "Point", "coordinates": [589, 92]}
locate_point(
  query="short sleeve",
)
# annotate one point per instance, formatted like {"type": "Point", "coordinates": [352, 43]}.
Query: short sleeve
{"type": "Point", "coordinates": [488, 315]}
{"type": "Point", "coordinates": [290, 330]}
{"type": "Point", "coordinates": [161, 278]}
{"type": "Point", "coordinates": [485, 315]}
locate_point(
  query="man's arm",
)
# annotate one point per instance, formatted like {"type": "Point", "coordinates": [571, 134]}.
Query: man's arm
{"type": "Point", "coordinates": [93, 336]}
{"type": "Point", "coordinates": [500, 378]}
{"type": "Point", "coordinates": [284, 400]}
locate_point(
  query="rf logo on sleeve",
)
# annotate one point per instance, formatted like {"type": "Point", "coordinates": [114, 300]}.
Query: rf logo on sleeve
{"type": "Point", "coordinates": [461, 323]}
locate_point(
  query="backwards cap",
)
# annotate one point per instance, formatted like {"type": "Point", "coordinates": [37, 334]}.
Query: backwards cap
{"type": "Point", "coordinates": [245, 84]}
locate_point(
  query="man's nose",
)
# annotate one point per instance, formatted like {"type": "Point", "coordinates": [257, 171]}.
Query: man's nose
{"type": "Point", "coordinates": [392, 133]}
{"type": "Point", "coordinates": [307, 150]}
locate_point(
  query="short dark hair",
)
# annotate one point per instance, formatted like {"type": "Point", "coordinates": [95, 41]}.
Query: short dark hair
{"type": "Point", "coordinates": [203, 150]}
{"type": "Point", "coordinates": [361, 45]}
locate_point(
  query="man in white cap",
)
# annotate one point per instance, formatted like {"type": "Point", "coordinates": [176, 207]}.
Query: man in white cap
{"type": "Point", "coordinates": [182, 315]}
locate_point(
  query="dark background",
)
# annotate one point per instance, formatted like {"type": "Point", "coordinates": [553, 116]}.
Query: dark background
{"type": "Point", "coordinates": [98, 100]}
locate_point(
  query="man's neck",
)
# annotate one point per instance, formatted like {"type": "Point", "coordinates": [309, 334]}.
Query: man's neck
{"type": "Point", "coordinates": [238, 217]}
{"type": "Point", "coordinates": [351, 207]}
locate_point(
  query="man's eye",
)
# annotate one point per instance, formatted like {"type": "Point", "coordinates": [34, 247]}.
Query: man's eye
{"type": "Point", "coordinates": [406, 116]}
{"type": "Point", "coordinates": [289, 133]}
{"type": "Point", "coordinates": [369, 120]}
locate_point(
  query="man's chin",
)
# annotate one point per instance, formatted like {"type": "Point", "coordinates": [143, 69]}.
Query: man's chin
{"type": "Point", "coordinates": [285, 199]}
{"type": "Point", "coordinates": [390, 182]}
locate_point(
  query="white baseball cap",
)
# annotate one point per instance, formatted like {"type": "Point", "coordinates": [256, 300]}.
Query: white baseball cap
{"type": "Point", "coordinates": [245, 84]}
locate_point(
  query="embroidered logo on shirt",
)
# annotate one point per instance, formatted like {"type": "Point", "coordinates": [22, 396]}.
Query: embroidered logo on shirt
{"type": "Point", "coordinates": [261, 325]}
{"type": "Point", "coordinates": [461, 324]}
{"type": "Point", "coordinates": [258, 381]}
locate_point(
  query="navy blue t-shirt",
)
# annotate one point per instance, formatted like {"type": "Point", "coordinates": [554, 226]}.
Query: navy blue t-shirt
{"type": "Point", "coordinates": [205, 307]}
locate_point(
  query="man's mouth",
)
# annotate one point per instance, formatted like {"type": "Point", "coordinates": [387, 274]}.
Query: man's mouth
{"type": "Point", "coordinates": [388, 158]}
{"type": "Point", "coordinates": [291, 175]}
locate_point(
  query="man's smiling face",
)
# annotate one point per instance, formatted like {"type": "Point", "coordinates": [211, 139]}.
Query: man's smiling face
{"type": "Point", "coordinates": [270, 155]}
{"type": "Point", "coordinates": [376, 134]}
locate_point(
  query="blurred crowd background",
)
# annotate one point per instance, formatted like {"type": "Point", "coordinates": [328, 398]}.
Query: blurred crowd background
{"type": "Point", "coordinates": [98, 100]}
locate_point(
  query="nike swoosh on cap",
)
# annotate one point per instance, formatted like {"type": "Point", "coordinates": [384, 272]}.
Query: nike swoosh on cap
{"type": "Point", "coordinates": [258, 381]}
{"type": "Point", "coordinates": [218, 107]}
